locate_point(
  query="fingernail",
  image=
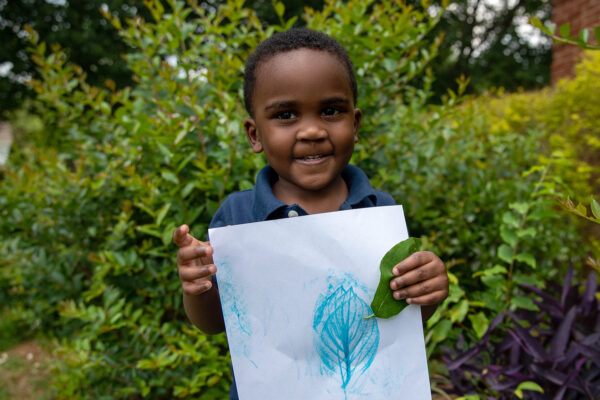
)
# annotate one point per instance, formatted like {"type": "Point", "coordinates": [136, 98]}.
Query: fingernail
{"type": "Point", "coordinates": [399, 295]}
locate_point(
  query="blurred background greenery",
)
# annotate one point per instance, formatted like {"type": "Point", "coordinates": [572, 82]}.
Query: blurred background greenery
{"type": "Point", "coordinates": [127, 122]}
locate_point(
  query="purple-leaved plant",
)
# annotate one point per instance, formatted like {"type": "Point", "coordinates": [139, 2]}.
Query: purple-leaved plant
{"type": "Point", "coordinates": [557, 347]}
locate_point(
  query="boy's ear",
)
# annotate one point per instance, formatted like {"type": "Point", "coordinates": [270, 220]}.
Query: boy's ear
{"type": "Point", "coordinates": [252, 135]}
{"type": "Point", "coordinates": [357, 116]}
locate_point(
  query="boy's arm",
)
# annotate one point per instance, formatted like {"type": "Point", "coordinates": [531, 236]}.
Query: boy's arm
{"type": "Point", "coordinates": [196, 269]}
{"type": "Point", "coordinates": [204, 311]}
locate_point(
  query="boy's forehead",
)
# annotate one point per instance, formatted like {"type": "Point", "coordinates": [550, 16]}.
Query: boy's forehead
{"type": "Point", "coordinates": [299, 69]}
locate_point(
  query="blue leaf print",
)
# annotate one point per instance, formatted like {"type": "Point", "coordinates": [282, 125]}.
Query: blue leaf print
{"type": "Point", "coordinates": [345, 341]}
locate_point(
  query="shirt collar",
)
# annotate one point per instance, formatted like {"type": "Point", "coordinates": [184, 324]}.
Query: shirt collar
{"type": "Point", "coordinates": [265, 202]}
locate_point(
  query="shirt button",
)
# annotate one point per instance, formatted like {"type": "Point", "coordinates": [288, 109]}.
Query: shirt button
{"type": "Point", "coordinates": [292, 213]}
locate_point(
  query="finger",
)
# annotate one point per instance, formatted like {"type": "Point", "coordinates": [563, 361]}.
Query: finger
{"type": "Point", "coordinates": [419, 274]}
{"type": "Point", "coordinates": [186, 255]}
{"type": "Point", "coordinates": [189, 274]}
{"type": "Point", "coordinates": [428, 299]}
{"type": "Point", "coordinates": [422, 288]}
{"type": "Point", "coordinates": [195, 288]}
{"type": "Point", "coordinates": [413, 261]}
{"type": "Point", "coordinates": [181, 237]}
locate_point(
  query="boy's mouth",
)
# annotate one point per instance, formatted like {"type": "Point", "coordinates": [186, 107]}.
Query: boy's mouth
{"type": "Point", "coordinates": [312, 158]}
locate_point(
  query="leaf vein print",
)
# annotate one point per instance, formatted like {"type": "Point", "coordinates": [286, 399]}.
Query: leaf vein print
{"type": "Point", "coordinates": [345, 341]}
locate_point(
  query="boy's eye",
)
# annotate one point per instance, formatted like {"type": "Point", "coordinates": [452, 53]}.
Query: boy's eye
{"type": "Point", "coordinates": [285, 115]}
{"type": "Point", "coordinates": [331, 111]}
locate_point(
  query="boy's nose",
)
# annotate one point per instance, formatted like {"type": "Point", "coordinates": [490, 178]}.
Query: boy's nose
{"type": "Point", "coordinates": [311, 131]}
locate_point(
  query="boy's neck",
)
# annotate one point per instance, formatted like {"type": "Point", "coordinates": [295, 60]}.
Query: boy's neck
{"type": "Point", "coordinates": [328, 199]}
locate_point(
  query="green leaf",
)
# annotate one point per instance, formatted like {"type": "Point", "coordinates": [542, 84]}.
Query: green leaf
{"type": "Point", "coordinates": [584, 35]}
{"type": "Point", "coordinates": [495, 270]}
{"type": "Point", "coordinates": [384, 305]}
{"type": "Point", "coordinates": [565, 30]}
{"type": "Point", "coordinates": [480, 323]}
{"type": "Point", "coordinates": [521, 208]}
{"type": "Point", "coordinates": [536, 22]}
{"type": "Point", "coordinates": [531, 232]}
{"type": "Point", "coordinates": [511, 219]}
{"type": "Point", "coordinates": [597, 33]}
{"type": "Point", "coordinates": [441, 331]}
{"type": "Point", "coordinates": [505, 253]}
{"type": "Point", "coordinates": [508, 236]}
{"type": "Point", "coordinates": [169, 176]}
{"type": "Point", "coordinates": [595, 208]}
{"type": "Point", "coordinates": [279, 9]}
{"type": "Point", "coordinates": [161, 214]}
{"type": "Point", "coordinates": [469, 397]}
{"type": "Point", "coordinates": [524, 302]}
{"type": "Point", "coordinates": [459, 311]}
{"type": "Point", "coordinates": [180, 136]}
{"type": "Point", "coordinates": [527, 259]}
{"type": "Point", "coordinates": [581, 210]}
{"type": "Point", "coordinates": [188, 189]}
{"type": "Point", "coordinates": [527, 385]}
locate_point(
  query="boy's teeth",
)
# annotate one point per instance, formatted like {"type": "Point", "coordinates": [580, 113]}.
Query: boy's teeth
{"type": "Point", "coordinates": [312, 157]}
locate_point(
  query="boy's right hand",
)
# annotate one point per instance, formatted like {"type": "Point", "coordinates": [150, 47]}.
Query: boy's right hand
{"type": "Point", "coordinates": [194, 262]}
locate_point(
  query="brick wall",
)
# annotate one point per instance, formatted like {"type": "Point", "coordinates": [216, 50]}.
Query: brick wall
{"type": "Point", "coordinates": [580, 14]}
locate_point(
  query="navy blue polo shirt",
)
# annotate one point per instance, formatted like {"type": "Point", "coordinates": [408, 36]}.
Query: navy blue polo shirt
{"type": "Point", "coordinates": [260, 204]}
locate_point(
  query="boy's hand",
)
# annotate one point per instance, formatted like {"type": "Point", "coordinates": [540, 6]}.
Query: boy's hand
{"type": "Point", "coordinates": [194, 262]}
{"type": "Point", "coordinates": [421, 278]}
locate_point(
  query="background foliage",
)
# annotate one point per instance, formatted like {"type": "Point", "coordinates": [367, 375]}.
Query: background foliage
{"type": "Point", "coordinates": [93, 191]}
{"type": "Point", "coordinates": [482, 39]}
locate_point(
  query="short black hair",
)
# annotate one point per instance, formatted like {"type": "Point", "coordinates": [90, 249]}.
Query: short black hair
{"type": "Point", "coordinates": [293, 39]}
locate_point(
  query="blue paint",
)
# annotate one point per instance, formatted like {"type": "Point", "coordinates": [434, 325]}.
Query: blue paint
{"type": "Point", "coordinates": [235, 311]}
{"type": "Point", "coordinates": [345, 341]}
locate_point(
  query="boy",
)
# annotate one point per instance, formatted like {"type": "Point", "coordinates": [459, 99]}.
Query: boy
{"type": "Point", "coordinates": [300, 92]}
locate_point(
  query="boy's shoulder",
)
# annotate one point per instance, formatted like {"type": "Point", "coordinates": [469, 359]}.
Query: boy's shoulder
{"type": "Point", "coordinates": [236, 209]}
{"type": "Point", "coordinates": [361, 193]}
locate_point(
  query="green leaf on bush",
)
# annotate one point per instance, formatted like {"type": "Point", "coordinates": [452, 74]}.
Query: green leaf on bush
{"type": "Point", "coordinates": [169, 176]}
{"type": "Point", "coordinates": [531, 232]}
{"type": "Point", "coordinates": [441, 331]}
{"type": "Point", "coordinates": [384, 305]}
{"type": "Point", "coordinates": [527, 259]}
{"type": "Point", "coordinates": [279, 9]}
{"type": "Point", "coordinates": [595, 208]}
{"type": "Point", "coordinates": [524, 302]}
{"type": "Point", "coordinates": [495, 270]}
{"type": "Point", "coordinates": [521, 208]}
{"type": "Point", "coordinates": [180, 136]}
{"type": "Point", "coordinates": [584, 35]}
{"type": "Point", "coordinates": [459, 311]}
{"type": "Point", "coordinates": [162, 213]}
{"type": "Point", "coordinates": [511, 219]}
{"type": "Point", "coordinates": [565, 30]}
{"type": "Point", "coordinates": [508, 236]}
{"type": "Point", "coordinates": [505, 253]}
{"type": "Point", "coordinates": [480, 323]}
{"type": "Point", "coordinates": [527, 385]}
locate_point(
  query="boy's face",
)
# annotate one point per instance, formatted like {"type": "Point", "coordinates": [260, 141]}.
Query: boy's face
{"type": "Point", "coordinates": [304, 119]}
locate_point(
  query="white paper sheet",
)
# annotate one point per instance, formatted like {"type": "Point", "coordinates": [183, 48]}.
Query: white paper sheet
{"type": "Point", "coordinates": [294, 292]}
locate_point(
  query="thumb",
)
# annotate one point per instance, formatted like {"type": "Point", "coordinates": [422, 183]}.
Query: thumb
{"type": "Point", "coordinates": [181, 236]}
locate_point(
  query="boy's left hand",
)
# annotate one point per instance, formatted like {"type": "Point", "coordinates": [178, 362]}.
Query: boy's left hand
{"type": "Point", "coordinates": [421, 278]}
